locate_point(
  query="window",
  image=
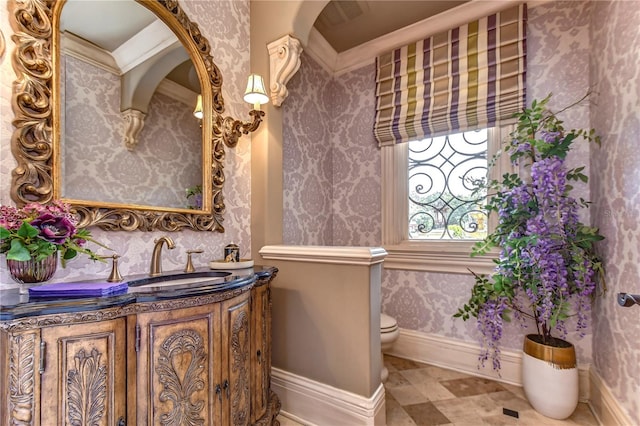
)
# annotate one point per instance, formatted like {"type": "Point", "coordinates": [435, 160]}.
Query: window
{"type": "Point", "coordinates": [447, 176]}
{"type": "Point", "coordinates": [469, 77]}
{"type": "Point", "coordinates": [431, 217]}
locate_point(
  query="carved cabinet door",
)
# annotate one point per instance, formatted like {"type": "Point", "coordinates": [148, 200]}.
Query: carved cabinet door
{"type": "Point", "coordinates": [236, 369]}
{"type": "Point", "coordinates": [260, 351]}
{"type": "Point", "coordinates": [83, 379]}
{"type": "Point", "coordinates": [183, 364]}
{"type": "Point", "coordinates": [177, 366]}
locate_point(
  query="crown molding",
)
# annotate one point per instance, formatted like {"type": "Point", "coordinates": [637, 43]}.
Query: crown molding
{"type": "Point", "coordinates": [321, 51]}
{"type": "Point", "coordinates": [177, 92]}
{"type": "Point", "coordinates": [83, 50]}
{"type": "Point", "coordinates": [131, 54]}
{"type": "Point", "coordinates": [151, 41]}
{"type": "Point", "coordinates": [79, 48]}
{"type": "Point", "coordinates": [365, 54]}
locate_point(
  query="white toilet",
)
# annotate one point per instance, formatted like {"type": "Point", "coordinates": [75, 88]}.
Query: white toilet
{"type": "Point", "coordinates": [389, 333]}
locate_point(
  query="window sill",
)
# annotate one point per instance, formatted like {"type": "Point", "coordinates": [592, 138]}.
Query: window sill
{"type": "Point", "coordinates": [438, 256]}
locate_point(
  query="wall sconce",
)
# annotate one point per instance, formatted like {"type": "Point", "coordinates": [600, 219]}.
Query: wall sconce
{"type": "Point", "coordinates": [255, 95]}
{"type": "Point", "coordinates": [197, 112]}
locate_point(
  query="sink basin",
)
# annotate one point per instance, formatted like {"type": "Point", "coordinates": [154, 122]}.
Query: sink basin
{"type": "Point", "coordinates": [177, 282]}
{"type": "Point", "coordinates": [186, 280]}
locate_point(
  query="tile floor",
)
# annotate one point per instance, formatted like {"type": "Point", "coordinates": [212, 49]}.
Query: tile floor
{"type": "Point", "coordinates": [420, 395]}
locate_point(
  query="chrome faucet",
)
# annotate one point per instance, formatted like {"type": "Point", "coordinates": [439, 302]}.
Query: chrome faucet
{"type": "Point", "coordinates": [156, 263]}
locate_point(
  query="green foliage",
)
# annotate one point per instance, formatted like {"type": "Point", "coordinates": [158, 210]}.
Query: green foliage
{"type": "Point", "coordinates": [548, 264]}
{"type": "Point", "coordinates": [38, 231]}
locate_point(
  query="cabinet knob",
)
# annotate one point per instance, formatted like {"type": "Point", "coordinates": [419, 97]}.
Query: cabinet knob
{"type": "Point", "coordinates": [122, 422]}
{"type": "Point", "coordinates": [219, 392]}
{"type": "Point", "coordinates": [259, 354]}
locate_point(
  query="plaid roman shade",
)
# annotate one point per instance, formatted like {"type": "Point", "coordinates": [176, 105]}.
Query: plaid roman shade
{"type": "Point", "coordinates": [467, 78]}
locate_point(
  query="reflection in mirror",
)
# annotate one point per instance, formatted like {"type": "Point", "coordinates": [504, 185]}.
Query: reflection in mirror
{"type": "Point", "coordinates": [40, 119]}
{"type": "Point", "coordinates": [128, 88]}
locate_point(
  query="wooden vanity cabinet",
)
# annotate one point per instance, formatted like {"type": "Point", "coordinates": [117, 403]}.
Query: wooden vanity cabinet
{"type": "Point", "coordinates": [193, 365]}
{"type": "Point", "coordinates": [83, 379]}
{"type": "Point", "coordinates": [260, 350]}
{"type": "Point", "coordinates": [64, 374]}
{"type": "Point", "coordinates": [203, 359]}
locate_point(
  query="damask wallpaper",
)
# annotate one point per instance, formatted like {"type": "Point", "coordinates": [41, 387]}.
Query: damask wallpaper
{"type": "Point", "coordinates": [356, 163]}
{"type": "Point", "coordinates": [307, 188]}
{"type": "Point", "coordinates": [331, 175]}
{"type": "Point", "coordinates": [332, 169]}
{"type": "Point", "coordinates": [565, 40]}
{"type": "Point", "coordinates": [98, 166]}
{"type": "Point", "coordinates": [226, 26]}
{"type": "Point", "coordinates": [615, 186]}
{"type": "Point", "coordinates": [557, 45]}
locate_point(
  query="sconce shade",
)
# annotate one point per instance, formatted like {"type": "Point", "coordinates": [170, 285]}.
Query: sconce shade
{"type": "Point", "coordinates": [256, 93]}
{"type": "Point", "coordinates": [197, 112]}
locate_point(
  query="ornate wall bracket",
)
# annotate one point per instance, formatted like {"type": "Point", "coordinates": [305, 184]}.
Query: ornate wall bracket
{"type": "Point", "coordinates": [284, 59]}
{"type": "Point", "coordinates": [1, 44]}
{"type": "Point", "coordinates": [232, 129]}
{"type": "Point", "coordinates": [133, 124]}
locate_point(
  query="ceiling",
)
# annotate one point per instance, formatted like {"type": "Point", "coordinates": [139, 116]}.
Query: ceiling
{"type": "Point", "coordinates": [106, 23]}
{"type": "Point", "coordinates": [345, 24]}
{"type": "Point", "coordinates": [114, 25]}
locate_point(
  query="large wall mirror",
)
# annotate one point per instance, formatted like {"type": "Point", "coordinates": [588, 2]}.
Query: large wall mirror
{"type": "Point", "coordinates": [103, 105]}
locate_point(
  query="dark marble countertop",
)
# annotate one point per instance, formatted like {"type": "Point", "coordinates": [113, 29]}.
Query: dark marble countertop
{"type": "Point", "coordinates": [142, 288]}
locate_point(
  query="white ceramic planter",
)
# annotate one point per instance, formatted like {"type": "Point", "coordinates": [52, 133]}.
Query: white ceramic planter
{"type": "Point", "coordinates": [550, 379]}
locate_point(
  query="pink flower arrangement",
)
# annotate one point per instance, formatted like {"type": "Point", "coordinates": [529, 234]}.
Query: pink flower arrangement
{"type": "Point", "coordinates": [36, 231]}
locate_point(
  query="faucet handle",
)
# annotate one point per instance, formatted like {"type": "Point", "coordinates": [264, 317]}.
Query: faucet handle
{"type": "Point", "coordinates": [189, 267]}
{"type": "Point", "coordinates": [115, 276]}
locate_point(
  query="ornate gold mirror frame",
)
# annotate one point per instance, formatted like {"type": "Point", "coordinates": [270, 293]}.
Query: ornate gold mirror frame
{"type": "Point", "coordinates": [35, 142]}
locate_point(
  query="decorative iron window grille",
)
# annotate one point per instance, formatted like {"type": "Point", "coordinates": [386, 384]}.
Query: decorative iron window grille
{"type": "Point", "coordinates": [447, 175]}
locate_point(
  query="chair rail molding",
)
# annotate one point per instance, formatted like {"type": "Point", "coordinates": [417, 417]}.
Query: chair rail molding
{"type": "Point", "coordinates": [284, 62]}
{"type": "Point", "coordinates": [337, 255]}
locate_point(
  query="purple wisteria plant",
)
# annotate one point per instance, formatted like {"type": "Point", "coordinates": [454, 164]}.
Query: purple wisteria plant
{"type": "Point", "coordinates": [37, 231]}
{"type": "Point", "coordinates": [547, 267]}
{"type": "Point", "coordinates": [194, 197]}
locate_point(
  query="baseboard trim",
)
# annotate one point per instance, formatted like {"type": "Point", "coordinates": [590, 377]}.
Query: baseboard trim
{"type": "Point", "coordinates": [604, 405]}
{"type": "Point", "coordinates": [462, 356]}
{"type": "Point", "coordinates": [455, 355]}
{"type": "Point", "coordinates": [314, 403]}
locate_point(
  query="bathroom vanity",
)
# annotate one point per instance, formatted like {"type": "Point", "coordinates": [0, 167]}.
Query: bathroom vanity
{"type": "Point", "coordinates": [182, 352]}
{"type": "Point", "coordinates": [160, 354]}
